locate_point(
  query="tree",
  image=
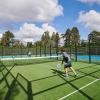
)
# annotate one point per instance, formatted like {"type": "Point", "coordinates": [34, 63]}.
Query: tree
{"type": "Point", "coordinates": [67, 37]}
{"type": "Point", "coordinates": [17, 43]}
{"type": "Point", "coordinates": [45, 38]}
{"type": "Point", "coordinates": [84, 43]}
{"type": "Point", "coordinates": [38, 43]}
{"type": "Point", "coordinates": [57, 39]}
{"type": "Point", "coordinates": [72, 37]}
{"type": "Point", "coordinates": [75, 37]}
{"type": "Point", "coordinates": [29, 44]}
{"type": "Point", "coordinates": [53, 39]}
{"type": "Point", "coordinates": [7, 38]}
{"type": "Point", "coordinates": [94, 41]}
{"type": "Point", "coordinates": [94, 37]}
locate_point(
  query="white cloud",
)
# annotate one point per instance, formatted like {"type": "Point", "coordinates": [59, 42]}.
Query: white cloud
{"type": "Point", "coordinates": [0, 35]}
{"type": "Point", "coordinates": [31, 32]}
{"type": "Point", "coordinates": [90, 19]}
{"type": "Point", "coordinates": [90, 1]}
{"type": "Point", "coordinates": [47, 27]}
{"type": "Point", "coordinates": [29, 10]}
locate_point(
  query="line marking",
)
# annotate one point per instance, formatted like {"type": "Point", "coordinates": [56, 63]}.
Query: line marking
{"type": "Point", "coordinates": [79, 89]}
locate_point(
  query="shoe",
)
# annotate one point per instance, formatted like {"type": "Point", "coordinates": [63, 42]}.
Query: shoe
{"type": "Point", "coordinates": [65, 76]}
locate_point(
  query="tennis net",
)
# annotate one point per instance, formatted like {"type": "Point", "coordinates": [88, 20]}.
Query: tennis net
{"type": "Point", "coordinates": [30, 60]}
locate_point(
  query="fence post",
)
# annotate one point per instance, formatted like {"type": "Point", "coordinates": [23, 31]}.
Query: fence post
{"type": "Point", "coordinates": [57, 51]}
{"type": "Point", "coordinates": [89, 45]}
{"type": "Point", "coordinates": [21, 49]}
{"type": "Point", "coordinates": [75, 52]}
{"type": "Point", "coordinates": [2, 51]}
{"type": "Point", "coordinates": [12, 49]}
{"type": "Point", "coordinates": [40, 50]}
{"type": "Point", "coordinates": [50, 50]}
{"type": "Point", "coordinates": [70, 50]}
{"type": "Point", "coordinates": [36, 49]}
{"type": "Point", "coordinates": [45, 50]}
{"type": "Point", "coordinates": [29, 87]}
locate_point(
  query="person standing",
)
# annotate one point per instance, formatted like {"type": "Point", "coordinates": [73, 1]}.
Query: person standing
{"type": "Point", "coordinates": [67, 63]}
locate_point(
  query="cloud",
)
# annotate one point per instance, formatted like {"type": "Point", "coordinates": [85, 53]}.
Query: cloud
{"type": "Point", "coordinates": [0, 35]}
{"type": "Point", "coordinates": [90, 19]}
{"type": "Point", "coordinates": [29, 10]}
{"type": "Point", "coordinates": [32, 33]}
{"type": "Point", "coordinates": [90, 1]}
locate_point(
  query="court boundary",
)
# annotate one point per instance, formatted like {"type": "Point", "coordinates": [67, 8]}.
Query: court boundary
{"type": "Point", "coordinates": [78, 89]}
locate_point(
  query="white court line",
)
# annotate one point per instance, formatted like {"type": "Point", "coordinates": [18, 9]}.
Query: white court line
{"type": "Point", "coordinates": [79, 89]}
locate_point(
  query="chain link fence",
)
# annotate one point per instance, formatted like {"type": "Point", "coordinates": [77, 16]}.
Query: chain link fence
{"type": "Point", "coordinates": [88, 53]}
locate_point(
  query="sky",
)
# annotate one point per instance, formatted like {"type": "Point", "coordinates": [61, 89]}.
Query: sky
{"type": "Point", "coordinates": [28, 19]}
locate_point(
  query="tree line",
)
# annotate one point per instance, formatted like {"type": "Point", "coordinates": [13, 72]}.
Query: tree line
{"type": "Point", "coordinates": [70, 37]}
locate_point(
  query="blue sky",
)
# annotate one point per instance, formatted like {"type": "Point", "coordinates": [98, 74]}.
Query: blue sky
{"type": "Point", "coordinates": [29, 19]}
{"type": "Point", "coordinates": [71, 14]}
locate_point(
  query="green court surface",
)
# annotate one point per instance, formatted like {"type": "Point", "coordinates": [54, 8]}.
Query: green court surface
{"type": "Point", "coordinates": [43, 82]}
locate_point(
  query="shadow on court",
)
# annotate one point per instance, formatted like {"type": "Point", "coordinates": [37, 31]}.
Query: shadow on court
{"type": "Point", "coordinates": [60, 74]}
{"type": "Point", "coordinates": [91, 66]}
{"type": "Point", "coordinates": [5, 73]}
{"type": "Point", "coordinates": [43, 78]}
{"type": "Point", "coordinates": [13, 87]}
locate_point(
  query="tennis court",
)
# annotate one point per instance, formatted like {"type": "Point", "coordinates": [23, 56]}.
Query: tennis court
{"type": "Point", "coordinates": [41, 81]}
